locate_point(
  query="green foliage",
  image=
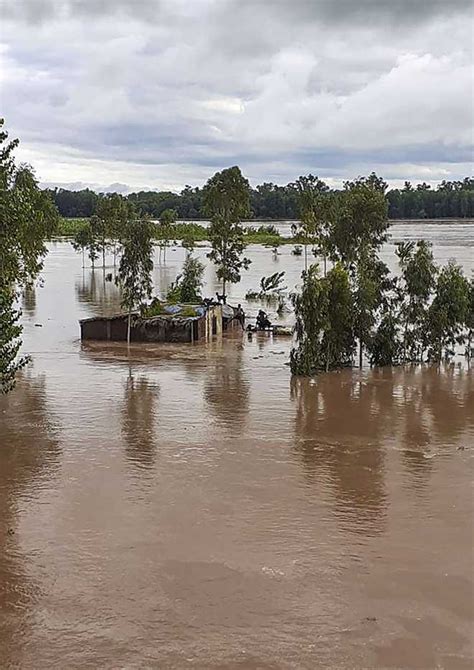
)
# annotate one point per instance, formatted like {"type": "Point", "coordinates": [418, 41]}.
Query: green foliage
{"type": "Point", "coordinates": [469, 321]}
{"type": "Point", "coordinates": [188, 311]}
{"type": "Point", "coordinates": [324, 322]}
{"type": "Point", "coordinates": [70, 227]}
{"type": "Point", "coordinates": [168, 217]}
{"type": "Point", "coordinates": [166, 228]}
{"type": "Point", "coordinates": [271, 201]}
{"type": "Point", "coordinates": [273, 283]}
{"type": "Point", "coordinates": [136, 265]}
{"type": "Point", "coordinates": [84, 240]}
{"type": "Point", "coordinates": [270, 288]}
{"type": "Point", "coordinates": [226, 202]}
{"type": "Point", "coordinates": [113, 212]}
{"type": "Point", "coordinates": [357, 219]}
{"type": "Point", "coordinates": [448, 313]}
{"type": "Point", "coordinates": [155, 308]}
{"type": "Point", "coordinates": [192, 279]}
{"type": "Point", "coordinates": [313, 211]}
{"type": "Point", "coordinates": [187, 286]}
{"type": "Point", "coordinates": [414, 291]}
{"type": "Point", "coordinates": [28, 217]}
{"type": "Point", "coordinates": [371, 283]}
{"type": "Point", "coordinates": [10, 342]}
{"type": "Point", "coordinates": [384, 347]}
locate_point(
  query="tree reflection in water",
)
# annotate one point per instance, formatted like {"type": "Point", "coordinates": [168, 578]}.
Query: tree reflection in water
{"type": "Point", "coordinates": [227, 387]}
{"type": "Point", "coordinates": [29, 456]}
{"type": "Point", "coordinates": [435, 412]}
{"type": "Point", "coordinates": [339, 423]}
{"type": "Point", "coordinates": [138, 417]}
{"type": "Point", "coordinates": [347, 423]}
{"type": "Point", "coordinates": [97, 294]}
{"type": "Point", "coordinates": [28, 300]}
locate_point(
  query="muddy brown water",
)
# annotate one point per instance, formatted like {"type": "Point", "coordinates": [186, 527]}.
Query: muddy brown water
{"type": "Point", "coordinates": [194, 507]}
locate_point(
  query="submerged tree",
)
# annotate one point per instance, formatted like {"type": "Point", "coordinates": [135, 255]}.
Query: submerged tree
{"type": "Point", "coordinates": [359, 221]}
{"type": "Point", "coordinates": [371, 282]}
{"type": "Point", "coordinates": [469, 322]}
{"type": "Point", "coordinates": [314, 226]}
{"type": "Point", "coordinates": [417, 283]}
{"type": "Point", "coordinates": [324, 322]}
{"type": "Point", "coordinates": [384, 346]}
{"type": "Point", "coordinates": [226, 202]}
{"type": "Point", "coordinates": [84, 240]}
{"type": "Point", "coordinates": [28, 217]}
{"type": "Point", "coordinates": [99, 238]}
{"type": "Point", "coordinates": [113, 212]}
{"type": "Point", "coordinates": [447, 314]}
{"type": "Point", "coordinates": [10, 341]}
{"type": "Point", "coordinates": [136, 265]}
{"type": "Point", "coordinates": [168, 218]}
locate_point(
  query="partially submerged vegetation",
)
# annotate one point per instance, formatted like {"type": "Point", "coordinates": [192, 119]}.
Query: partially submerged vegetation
{"type": "Point", "coordinates": [186, 232]}
{"type": "Point", "coordinates": [27, 218]}
{"type": "Point", "coordinates": [357, 307]}
{"type": "Point", "coordinates": [351, 310]}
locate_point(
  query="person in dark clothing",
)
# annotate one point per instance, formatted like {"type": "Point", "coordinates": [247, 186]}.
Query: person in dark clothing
{"type": "Point", "coordinates": [240, 315]}
{"type": "Point", "coordinates": [262, 320]}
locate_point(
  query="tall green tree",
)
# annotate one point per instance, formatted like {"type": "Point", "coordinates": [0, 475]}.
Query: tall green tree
{"type": "Point", "coordinates": [469, 321]}
{"type": "Point", "coordinates": [84, 240]}
{"type": "Point", "coordinates": [324, 322]}
{"type": "Point", "coordinates": [28, 218]}
{"type": "Point", "coordinates": [98, 228]}
{"type": "Point", "coordinates": [136, 265]}
{"type": "Point", "coordinates": [415, 288]}
{"type": "Point", "coordinates": [168, 218]}
{"type": "Point", "coordinates": [113, 212]}
{"type": "Point", "coordinates": [359, 220]}
{"type": "Point", "coordinates": [313, 215]}
{"type": "Point", "coordinates": [371, 283]}
{"type": "Point", "coordinates": [226, 202]}
{"type": "Point", "coordinates": [448, 312]}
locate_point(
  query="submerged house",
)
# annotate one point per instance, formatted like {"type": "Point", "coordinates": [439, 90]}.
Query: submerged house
{"type": "Point", "coordinates": [183, 323]}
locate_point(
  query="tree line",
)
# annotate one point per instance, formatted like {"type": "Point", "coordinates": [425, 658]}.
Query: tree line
{"type": "Point", "coordinates": [351, 307]}
{"type": "Point", "coordinates": [450, 199]}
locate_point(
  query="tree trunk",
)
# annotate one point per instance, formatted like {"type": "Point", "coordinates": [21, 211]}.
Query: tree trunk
{"type": "Point", "coordinates": [306, 257]}
{"type": "Point", "coordinates": [224, 297]}
{"type": "Point", "coordinates": [103, 256]}
{"type": "Point", "coordinates": [361, 349]}
{"type": "Point", "coordinates": [128, 326]}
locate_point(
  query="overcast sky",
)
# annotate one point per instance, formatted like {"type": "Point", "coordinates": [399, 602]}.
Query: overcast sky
{"type": "Point", "coordinates": [162, 93]}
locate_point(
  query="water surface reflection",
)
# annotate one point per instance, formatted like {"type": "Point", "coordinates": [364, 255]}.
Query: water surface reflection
{"type": "Point", "coordinates": [191, 506]}
{"type": "Point", "coordinates": [29, 458]}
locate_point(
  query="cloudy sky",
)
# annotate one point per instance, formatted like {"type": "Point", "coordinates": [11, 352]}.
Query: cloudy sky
{"type": "Point", "coordinates": [161, 93]}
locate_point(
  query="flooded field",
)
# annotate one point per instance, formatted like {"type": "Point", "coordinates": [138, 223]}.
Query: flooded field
{"type": "Point", "coordinates": [182, 506]}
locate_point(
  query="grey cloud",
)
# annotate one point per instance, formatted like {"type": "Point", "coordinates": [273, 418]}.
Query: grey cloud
{"type": "Point", "coordinates": [367, 11]}
{"type": "Point", "coordinates": [326, 11]}
{"type": "Point", "coordinates": [181, 88]}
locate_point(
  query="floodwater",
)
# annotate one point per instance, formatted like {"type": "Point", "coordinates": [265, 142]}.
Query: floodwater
{"type": "Point", "coordinates": [184, 506]}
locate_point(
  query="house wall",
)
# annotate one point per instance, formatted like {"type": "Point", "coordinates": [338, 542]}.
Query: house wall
{"type": "Point", "coordinates": [155, 329]}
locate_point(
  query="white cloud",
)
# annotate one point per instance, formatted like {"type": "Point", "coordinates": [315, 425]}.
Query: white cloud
{"type": "Point", "coordinates": [164, 93]}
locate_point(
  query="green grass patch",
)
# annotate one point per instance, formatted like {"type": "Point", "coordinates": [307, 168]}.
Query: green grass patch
{"type": "Point", "coordinates": [70, 227]}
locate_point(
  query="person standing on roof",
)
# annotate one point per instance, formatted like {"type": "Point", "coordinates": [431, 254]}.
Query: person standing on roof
{"type": "Point", "coordinates": [240, 315]}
